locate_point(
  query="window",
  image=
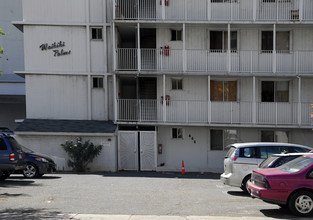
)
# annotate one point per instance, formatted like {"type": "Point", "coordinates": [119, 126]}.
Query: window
{"type": "Point", "coordinates": [282, 41]}
{"type": "Point", "coordinates": [177, 84]}
{"type": "Point", "coordinates": [220, 139]}
{"type": "Point", "coordinates": [275, 91]}
{"type": "Point", "coordinates": [3, 146]}
{"type": "Point", "coordinates": [274, 136]}
{"type": "Point", "coordinates": [223, 91]}
{"type": "Point", "coordinates": [248, 152]}
{"type": "Point", "coordinates": [176, 35]}
{"type": "Point", "coordinates": [177, 133]}
{"type": "Point", "coordinates": [97, 82]}
{"type": "Point", "coordinates": [219, 41]}
{"type": "Point", "coordinates": [96, 33]}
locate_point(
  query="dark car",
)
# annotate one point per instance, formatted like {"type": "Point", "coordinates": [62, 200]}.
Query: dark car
{"type": "Point", "coordinates": [11, 156]}
{"type": "Point", "coordinates": [5, 130]}
{"type": "Point", "coordinates": [37, 164]}
{"type": "Point", "coordinates": [276, 160]}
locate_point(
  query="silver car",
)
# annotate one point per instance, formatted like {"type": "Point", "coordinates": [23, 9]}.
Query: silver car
{"type": "Point", "coordinates": [242, 158]}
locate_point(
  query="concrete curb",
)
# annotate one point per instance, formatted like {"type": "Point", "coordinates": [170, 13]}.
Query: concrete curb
{"type": "Point", "coordinates": [159, 217]}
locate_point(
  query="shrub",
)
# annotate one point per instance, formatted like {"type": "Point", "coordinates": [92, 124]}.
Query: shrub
{"type": "Point", "coordinates": [81, 154]}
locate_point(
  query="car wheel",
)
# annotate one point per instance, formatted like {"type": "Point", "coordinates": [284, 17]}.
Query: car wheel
{"type": "Point", "coordinates": [30, 171]}
{"type": "Point", "coordinates": [301, 203]}
{"type": "Point", "coordinates": [4, 175]}
{"type": "Point", "coordinates": [244, 185]}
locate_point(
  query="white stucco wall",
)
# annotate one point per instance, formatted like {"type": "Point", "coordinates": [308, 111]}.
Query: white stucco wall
{"type": "Point", "coordinates": [64, 98]}
{"type": "Point", "coordinates": [197, 156]}
{"type": "Point", "coordinates": [51, 146]}
{"type": "Point", "coordinates": [73, 39]}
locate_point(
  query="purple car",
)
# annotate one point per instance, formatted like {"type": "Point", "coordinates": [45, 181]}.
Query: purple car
{"type": "Point", "coordinates": [289, 185]}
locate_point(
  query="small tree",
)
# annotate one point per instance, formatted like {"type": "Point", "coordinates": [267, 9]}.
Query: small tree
{"type": "Point", "coordinates": [81, 154]}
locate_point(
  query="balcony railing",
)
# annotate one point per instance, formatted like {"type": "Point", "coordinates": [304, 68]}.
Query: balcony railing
{"type": "Point", "coordinates": [217, 61]}
{"type": "Point", "coordinates": [215, 10]}
{"type": "Point", "coordinates": [204, 112]}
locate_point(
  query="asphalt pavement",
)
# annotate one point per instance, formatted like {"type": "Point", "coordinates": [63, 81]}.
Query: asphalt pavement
{"type": "Point", "coordinates": [131, 196]}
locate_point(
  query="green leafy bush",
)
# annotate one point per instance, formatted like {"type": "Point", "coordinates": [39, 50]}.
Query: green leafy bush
{"type": "Point", "coordinates": [81, 154]}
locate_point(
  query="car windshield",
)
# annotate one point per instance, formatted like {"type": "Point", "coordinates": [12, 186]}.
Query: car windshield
{"type": "Point", "coordinates": [296, 165]}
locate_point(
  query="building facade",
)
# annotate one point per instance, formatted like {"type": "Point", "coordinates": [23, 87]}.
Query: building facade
{"type": "Point", "coordinates": [181, 79]}
{"type": "Point", "coordinates": [12, 86]}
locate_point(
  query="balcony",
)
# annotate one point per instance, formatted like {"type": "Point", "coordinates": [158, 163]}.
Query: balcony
{"type": "Point", "coordinates": [214, 10]}
{"type": "Point", "coordinates": [214, 61]}
{"type": "Point", "coordinates": [204, 112]}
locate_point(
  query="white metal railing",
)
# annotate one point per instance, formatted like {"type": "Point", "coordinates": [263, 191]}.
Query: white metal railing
{"type": "Point", "coordinates": [244, 61]}
{"type": "Point", "coordinates": [215, 10]}
{"type": "Point", "coordinates": [203, 112]}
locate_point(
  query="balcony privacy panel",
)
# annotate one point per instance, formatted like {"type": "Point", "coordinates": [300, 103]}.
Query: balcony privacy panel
{"type": "Point", "coordinates": [175, 10]}
{"type": "Point", "coordinates": [305, 62]}
{"type": "Point", "coordinates": [197, 111]}
{"type": "Point", "coordinates": [307, 9]}
{"type": "Point", "coordinates": [305, 114]}
{"type": "Point", "coordinates": [197, 60]}
{"type": "Point", "coordinates": [196, 10]}
{"type": "Point", "coordinates": [285, 62]}
{"type": "Point", "coordinates": [171, 60]}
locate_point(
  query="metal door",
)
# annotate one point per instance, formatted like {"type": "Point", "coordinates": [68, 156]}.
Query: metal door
{"type": "Point", "coordinates": [128, 150]}
{"type": "Point", "coordinates": [148, 150]}
{"type": "Point", "coordinates": [137, 147]}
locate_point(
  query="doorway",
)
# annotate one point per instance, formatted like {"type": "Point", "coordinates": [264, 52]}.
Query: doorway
{"type": "Point", "coordinates": [137, 150]}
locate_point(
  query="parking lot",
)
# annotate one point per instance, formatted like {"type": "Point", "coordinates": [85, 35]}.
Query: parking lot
{"type": "Point", "coordinates": [56, 196]}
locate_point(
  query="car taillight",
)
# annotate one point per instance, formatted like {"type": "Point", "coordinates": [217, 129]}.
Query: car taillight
{"type": "Point", "coordinates": [260, 180]}
{"type": "Point", "coordinates": [12, 157]}
{"type": "Point", "coordinates": [235, 155]}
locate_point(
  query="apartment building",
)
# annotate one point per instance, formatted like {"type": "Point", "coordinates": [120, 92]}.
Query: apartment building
{"type": "Point", "coordinates": [12, 86]}
{"type": "Point", "coordinates": [180, 79]}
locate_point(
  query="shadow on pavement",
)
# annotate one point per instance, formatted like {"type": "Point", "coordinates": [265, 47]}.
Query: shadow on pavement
{"type": "Point", "coordinates": [33, 214]}
{"type": "Point", "coordinates": [238, 193]}
{"type": "Point", "coordinates": [281, 213]}
{"type": "Point", "coordinates": [17, 183]}
{"type": "Point", "coordinates": [21, 177]}
{"type": "Point", "coordinates": [163, 175]}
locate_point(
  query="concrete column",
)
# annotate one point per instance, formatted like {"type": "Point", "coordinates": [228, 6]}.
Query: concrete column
{"type": "Point", "coordinates": [254, 10]}
{"type": "Point", "coordinates": [209, 100]}
{"type": "Point", "coordinates": [299, 100]}
{"type": "Point", "coordinates": [115, 97]}
{"type": "Point", "coordinates": [274, 48]}
{"type": "Point", "coordinates": [253, 101]}
{"type": "Point", "coordinates": [209, 9]}
{"type": "Point", "coordinates": [89, 110]}
{"type": "Point", "coordinates": [138, 48]}
{"type": "Point", "coordinates": [301, 10]}
{"type": "Point", "coordinates": [228, 50]}
{"type": "Point", "coordinates": [164, 94]}
{"type": "Point", "coordinates": [184, 49]}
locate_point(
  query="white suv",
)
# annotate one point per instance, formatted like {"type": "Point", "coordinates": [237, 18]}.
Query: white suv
{"type": "Point", "coordinates": [242, 158]}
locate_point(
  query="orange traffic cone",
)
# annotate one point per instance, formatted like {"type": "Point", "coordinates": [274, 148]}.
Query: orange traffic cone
{"type": "Point", "coordinates": [183, 168]}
